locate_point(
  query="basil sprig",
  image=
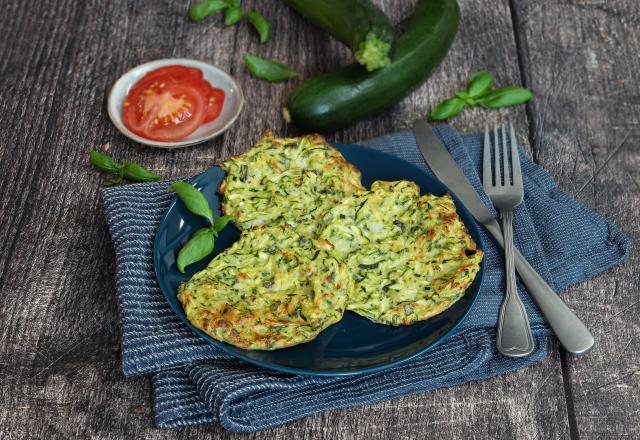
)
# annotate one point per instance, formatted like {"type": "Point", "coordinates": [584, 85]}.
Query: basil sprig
{"type": "Point", "coordinates": [479, 92]}
{"type": "Point", "coordinates": [233, 14]}
{"type": "Point", "coordinates": [268, 69]}
{"type": "Point", "coordinates": [202, 241]}
{"type": "Point", "coordinates": [125, 170]}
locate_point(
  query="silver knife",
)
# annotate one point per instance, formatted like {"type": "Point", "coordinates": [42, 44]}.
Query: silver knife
{"type": "Point", "coordinates": [571, 332]}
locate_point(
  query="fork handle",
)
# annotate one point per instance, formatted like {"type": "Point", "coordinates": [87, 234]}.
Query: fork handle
{"type": "Point", "coordinates": [514, 337]}
{"type": "Point", "coordinates": [574, 336]}
{"type": "Point", "coordinates": [569, 329]}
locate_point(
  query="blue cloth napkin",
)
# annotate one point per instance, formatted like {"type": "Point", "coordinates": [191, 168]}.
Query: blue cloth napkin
{"type": "Point", "coordinates": [197, 383]}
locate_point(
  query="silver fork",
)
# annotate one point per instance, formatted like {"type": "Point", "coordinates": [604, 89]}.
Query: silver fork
{"type": "Point", "coordinates": [514, 333]}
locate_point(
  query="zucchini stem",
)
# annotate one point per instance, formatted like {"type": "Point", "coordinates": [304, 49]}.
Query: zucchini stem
{"type": "Point", "coordinates": [373, 53]}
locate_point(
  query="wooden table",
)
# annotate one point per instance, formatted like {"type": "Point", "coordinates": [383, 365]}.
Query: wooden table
{"type": "Point", "coordinates": [60, 374]}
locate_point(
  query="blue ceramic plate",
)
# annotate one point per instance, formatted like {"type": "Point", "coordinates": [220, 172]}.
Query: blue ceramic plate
{"type": "Point", "coordinates": [354, 345]}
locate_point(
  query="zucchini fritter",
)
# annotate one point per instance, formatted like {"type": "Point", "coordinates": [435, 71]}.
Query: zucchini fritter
{"type": "Point", "coordinates": [271, 289]}
{"type": "Point", "coordinates": [410, 257]}
{"type": "Point", "coordinates": [292, 181]}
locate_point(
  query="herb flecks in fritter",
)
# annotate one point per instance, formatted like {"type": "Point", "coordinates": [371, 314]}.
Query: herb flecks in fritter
{"type": "Point", "coordinates": [410, 257]}
{"type": "Point", "coordinates": [271, 289]}
{"type": "Point", "coordinates": [292, 181]}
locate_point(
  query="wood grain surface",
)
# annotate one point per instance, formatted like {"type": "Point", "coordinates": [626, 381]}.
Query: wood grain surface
{"type": "Point", "coordinates": [60, 374]}
{"type": "Point", "coordinates": [580, 58]}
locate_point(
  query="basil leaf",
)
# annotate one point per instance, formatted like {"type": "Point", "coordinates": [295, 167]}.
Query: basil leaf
{"type": "Point", "coordinates": [260, 24]}
{"type": "Point", "coordinates": [200, 11]}
{"type": "Point", "coordinates": [480, 84]}
{"type": "Point", "coordinates": [268, 69]}
{"type": "Point", "coordinates": [199, 246]}
{"type": "Point", "coordinates": [462, 94]}
{"type": "Point", "coordinates": [193, 199]}
{"type": "Point", "coordinates": [221, 222]}
{"type": "Point", "coordinates": [506, 97]}
{"type": "Point", "coordinates": [447, 109]}
{"type": "Point", "coordinates": [233, 16]}
{"type": "Point", "coordinates": [104, 162]}
{"type": "Point", "coordinates": [137, 173]}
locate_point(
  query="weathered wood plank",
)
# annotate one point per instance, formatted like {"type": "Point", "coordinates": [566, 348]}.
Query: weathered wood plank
{"type": "Point", "coordinates": [59, 365]}
{"type": "Point", "coordinates": [581, 60]}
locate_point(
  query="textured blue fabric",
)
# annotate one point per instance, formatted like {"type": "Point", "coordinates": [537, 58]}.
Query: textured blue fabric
{"type": "Point", "coordinates": [196, 383]}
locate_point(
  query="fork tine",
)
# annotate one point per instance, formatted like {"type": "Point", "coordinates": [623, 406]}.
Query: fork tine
{"type": "Point", "coordinates": [505, 156]}
{"type": "Point", "coordinates": [515, 159]}
{"type": "Point", "coordinates": [496, 155]}
{"type": "Point", "coordinates": [487, 179]}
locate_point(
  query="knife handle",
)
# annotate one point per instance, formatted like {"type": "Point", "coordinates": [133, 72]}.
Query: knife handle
{"type": "Point", "coordinates": [571, 332]}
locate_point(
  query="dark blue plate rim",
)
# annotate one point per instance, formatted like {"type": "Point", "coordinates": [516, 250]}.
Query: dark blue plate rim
{"type": "Point", "coordinates": [330, 373]}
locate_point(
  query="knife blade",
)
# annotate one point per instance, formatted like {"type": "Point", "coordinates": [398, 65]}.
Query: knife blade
{"type": "Point", "coordinates": [569, 329]}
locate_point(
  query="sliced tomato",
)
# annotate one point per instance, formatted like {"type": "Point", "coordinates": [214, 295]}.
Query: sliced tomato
{"type": "Point", "coordinates": [164, 110]}
{"type": "Point", "coordinates": [174, 73]}
{"type": "Point", "coordinates": [214, 99]}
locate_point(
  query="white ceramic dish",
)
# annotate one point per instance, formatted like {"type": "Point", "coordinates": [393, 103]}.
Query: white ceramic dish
{"type": "Point", "coordinates": [233, 101]}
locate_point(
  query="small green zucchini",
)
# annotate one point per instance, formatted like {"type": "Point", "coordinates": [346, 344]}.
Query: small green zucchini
{"type": "Point", "coordinates": [350, 94]}
{"type": "Point", "coordinates": [357, 23]}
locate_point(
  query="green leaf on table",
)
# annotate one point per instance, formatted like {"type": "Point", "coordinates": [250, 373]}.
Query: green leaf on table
{"type": "Point", "coordinates": [478, 92]}
{"type": "Point", "coordinates": [201, 10]}
{"type": "Point", "coordinates": [506, 97]}
{"type": "Point", "coordinates": [104, 162]}
{"type": "Point", "coordinates": [221, 222]}
{"type": "Point", "coordinates": [130, 171]}
{"type": "Point", "coordinates": [233, 15]}
{"type": "Point", "coordinates": [137, 173]}
{"type": "Point", "coordinates": [260, 24]}
{"type": "Point", "coordinates": [480, 84]}
{"type": "Point", "coordinates": [193, 199]}
{"type": "Point", "coordinates": [447, 109]}
{"type": "Point", "coordinates": [199, 246]}
{"type": "Point", "coordinates": [268, 69]}
{"type": "Point", "coordinates": [462, 94]}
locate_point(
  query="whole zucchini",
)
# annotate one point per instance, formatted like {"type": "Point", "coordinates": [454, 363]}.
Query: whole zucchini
{"type": "Point", "coordinates": [357, 23]}
{"type": "Point", "coordinates": [349, 94]}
